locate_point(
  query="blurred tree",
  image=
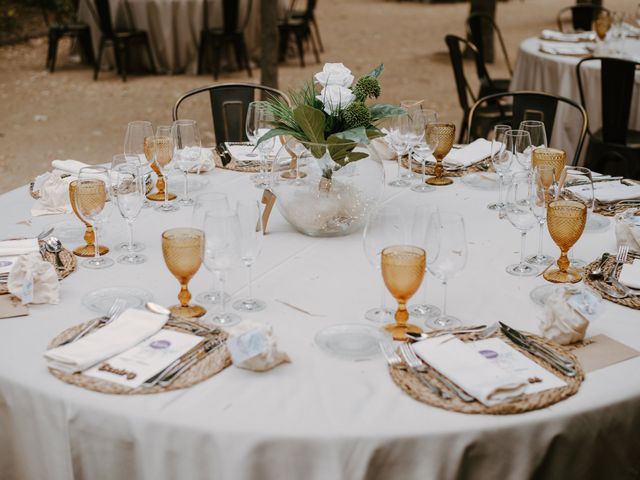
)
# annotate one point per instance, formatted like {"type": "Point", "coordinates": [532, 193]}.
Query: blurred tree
{"type": "Point", "coordinates": [269, 43]}
{"type": "Point", "coordinates": [487, 7]}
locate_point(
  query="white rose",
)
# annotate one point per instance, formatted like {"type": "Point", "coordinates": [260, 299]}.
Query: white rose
{"type": "Point", "coordinates": [334, 74]}
{"type": "Point", "coordinates": [335, 97]}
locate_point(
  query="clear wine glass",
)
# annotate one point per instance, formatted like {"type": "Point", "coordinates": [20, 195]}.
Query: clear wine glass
{"type": "Point", "coordinates": [93, 204]}
{"type": "Point", "coordinates": [130, 160]}
{"type": "Point", "coordinates": [542, 180]}
{"type": "Point", "coordinates": [415, 132]}
{"type": "Point", "coordinates": [520, 213]}
{"type": "Point", "coordinates": [221, 254]}
{"type": "Point", "coordinates": [385, 227]}
{"type": "Point", "coordinates": [164, 156]}
{"type": "Point", "coordinates": [501, 160]}
{"type": "Point", "coordinates": [250, 217]}
{"type": "Point", "coordinates": [128, 189]}
{"type": "Point", "coordinates": [519, 146]}
{"type": "Point", "coordinates": [187, 152]}
{"type": "Point", "coordinates": [537, 132]}
{"type": "Point", "coordinates": [424, 233]}
{"type": "Point", "coordinates": [451, 260]}
{"type": "Point", "coordinates": [138, 143]}
{"type": "Point", "coordinates": [258, 123]}
{"type": "Point", "coordinates": [423, 150]}
{"type": "Point", "coordinates": [399, 141]}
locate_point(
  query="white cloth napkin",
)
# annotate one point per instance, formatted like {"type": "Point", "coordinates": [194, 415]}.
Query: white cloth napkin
{"type": "Point", "coordinates": [54, 195]}
{"type": "Point", "coordinates": [34, 280]}
{"type": "Point", "coordinates": [129, 329]}
{"type": "Point", "coordinates": [469, 154]}
{"type": "Point", "coordinates": [69, 166]}
{"type": "Point", "coordinates": [564, 49]}
{"type": "Point", "coordinates": [253, 346]}
{"type": "Point", "coordinates": [244, 152]}
{"type": "Point", "coordinates": [18, 247]}
{"type": "Point", "coordinates": [555, 36]}
{"type": "Point", "coordinates": [627, 227]}
{"type": "Point", "coordinates": [609, 191]}
{"type": "Point", "coordinates": [630, 275]}
{"type": "Point", "coordinates": [469, 369]}
{"type": "Point", "coordinates": [561, 323]}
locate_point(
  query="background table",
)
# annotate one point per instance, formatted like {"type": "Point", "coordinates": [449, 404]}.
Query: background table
{"type": "Point", "coordinates": [318, 417]}
{"type": "Point", "coordinates": [556, 74]}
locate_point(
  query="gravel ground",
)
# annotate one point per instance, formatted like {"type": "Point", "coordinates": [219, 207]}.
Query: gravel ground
{"type": "Point", "coordinates": [68, 115]}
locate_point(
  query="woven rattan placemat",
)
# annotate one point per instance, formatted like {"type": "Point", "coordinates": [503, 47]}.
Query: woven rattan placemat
{"type": "Point", "coordinates": [411, 385]}
{"type": "Point", "coordinates": [213, 363]}
{"type": "Point", "coordinates": [631, 301]}
{"type": "Point", "coordinates": [237, 167]}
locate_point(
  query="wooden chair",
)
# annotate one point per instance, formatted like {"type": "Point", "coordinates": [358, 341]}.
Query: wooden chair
{"type": "Point", "coordinates": [480, 25]}
{"type": "Point", "coordinates": [298, 25]}
{"type": "Point", "coordinates": [582, 16]}
{"type": "Point", "coordinates": [527, 106]}
{"type": "Point", "coordinates": [615, 148]}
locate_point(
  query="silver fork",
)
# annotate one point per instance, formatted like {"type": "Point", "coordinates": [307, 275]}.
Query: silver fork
{"type": "Point", "coordinates": [114, 312]}
{"type": "Point", "coordinates": [621, 257]}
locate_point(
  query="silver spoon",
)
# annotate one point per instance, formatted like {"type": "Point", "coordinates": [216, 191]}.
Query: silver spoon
{"type": "Point", "coordinates": [53, 245]}
{"type": "Point", "coordinates": [597, 271]}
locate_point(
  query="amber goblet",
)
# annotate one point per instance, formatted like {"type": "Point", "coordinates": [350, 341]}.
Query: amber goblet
{"type": "Point", "coordinates": [150, 152]}
{"type": "Point", "coordinates": [566, 220]}
{"type": "Point", "coordinates": [602, 24]}
{"type": "Point", "coordinates": [183, 250]}
{"type": "Point", "coordinates": [89, 248]}
{"type": "Point", "coordinates": [402, 270]}
{"type": "Point", "coordinates": [442, 135]}
{"type": "Point", "coordinates": [551, 157]}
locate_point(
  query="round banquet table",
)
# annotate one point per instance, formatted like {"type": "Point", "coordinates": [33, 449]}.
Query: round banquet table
{"type": "Point", "coordinates": [318, 417]}
{"type": "Point", "coordinates": [556, 74]}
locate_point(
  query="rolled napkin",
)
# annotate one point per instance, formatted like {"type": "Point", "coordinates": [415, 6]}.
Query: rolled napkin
{"type": "Point", "coordinates": [564, 49]}
{"type": "Point", "coordinates": [69, 166]}
{"type": "Point", "coordinates": [19, 247]}
{"type": "Point", "coordinates": [253, 346]}
{"type": "Point", "coordinates": [54, 195]}
{"type": "Point", "coordinates": [607, 192]}
{"type": "Point", "coordinates": [129, 329]}
{"type": "Point", "coordinates": [470, 370]}
{"type": "Point", "coordinates": [627, 226]}
{"type": "Point", "coordinates": [34, 280]}
{"type": "Point", "coordinates": [561, 322]}
{"type": "Point", "coordinates": [555, 36]}
{"type": "Point", "coordinates": [630, 275]}
{"type": "Point", "coordinates": [473, 153]}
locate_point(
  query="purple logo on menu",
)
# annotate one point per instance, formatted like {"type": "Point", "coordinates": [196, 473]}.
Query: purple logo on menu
{"type": "Point", "coordinates": [488, 354]}
{"type": "Point", "coordinates": [160, 344]}
{"type": "Point", "coordinates": [5, 263]}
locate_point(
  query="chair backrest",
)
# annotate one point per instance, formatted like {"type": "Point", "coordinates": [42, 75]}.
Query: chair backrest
{"type": "Point", "coordinates": [229, 104]}
{"type": "Point", "coordinates": [617, 82]}
{"type": "Point", "coordinates": [232, 20]}
{"type": "Point", "coordinates": [533, 106]}
{"type": "Point", "coordinates": [64, 12]}
{"type": "Point", "coordinates": [582, 16]}
{"type": "Point", "coordinates": [103, 12]}
{"type": "Point", "coordinates": [481, 24]}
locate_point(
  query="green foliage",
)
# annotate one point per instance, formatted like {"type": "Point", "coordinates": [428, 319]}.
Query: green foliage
{"type": "Point", "coordinates": [356, 115]}
{"type": "Point", "coordinates": [366, 87]}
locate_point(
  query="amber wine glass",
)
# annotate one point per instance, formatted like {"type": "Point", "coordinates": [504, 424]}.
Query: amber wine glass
{"type": "Point", "coordinates": [441, 135]}
{"type": "Point", "coordinates": [602, 24]}
{"type": "Point", "coordinates": [183, 249]}
{"type": "Point", "coordinates": [566, 220]}
{"type": "Point", "coordinates": [89, 248]}
{"type": "Point", "coordinates": [549, 157]}
{"type": "Point", "coordinates": [403, 269]}
{"type": "Point", "coordinates": [163, 149]}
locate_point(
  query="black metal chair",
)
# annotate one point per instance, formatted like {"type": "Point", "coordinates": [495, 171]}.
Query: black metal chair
{"type": "Point", "coordinates": [614, 148]}
{"type": "Point", "coordinates": [480, 25]}
{"type": "Point", "coordinates": [120, 40]}
{"type": "Point", "coordinates": [230, 33]}
{"type": "Point", "coordinates": [528, 106]}
{"type": "Point", "coordinates": [582, 16]}
{"type": "Point", "coordinates": [466, 96]}
{"type": "Point", "coordinates": [315, 30]}
{"type": "Point", "coordinates": [298, 24]}
{"type": "Point", "coordinates": [65, 24]}
{"type": "Point", "coordinates": [229, 104]}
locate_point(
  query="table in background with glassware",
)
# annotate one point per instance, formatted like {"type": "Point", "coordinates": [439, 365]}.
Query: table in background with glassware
{"type": "Point", "coordinates": [235, 424]}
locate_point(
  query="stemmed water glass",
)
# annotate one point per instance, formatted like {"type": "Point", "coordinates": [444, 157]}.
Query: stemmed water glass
{"type": "Point", "coordinates": [501, 160]}
{"type": "Point", "coordinates": [93, 203]}
{"type": "Point", "coordinates": [384, 227]}
{"type": "Point", "coordinates": [537, 133]}
{"type": "Point", "coordinates": [542, 183]}
{"type": "Point", "coordinates": [451, 260]}
{"type": "Point", "coordinates": [187, 152]}
{"type": "Point", "coordinates": [133, 161]}
{"type": "Point", "coordinates": [399, 141]}
{"type": "Point", "coordinates": [413, 108]}
{"type": "Point", "coordinates": [138, 143]}
{"type": "Point", "coordinates": [129, 190]}
{"type": "Point", "coordinates": [250, 218]}
{"type": "Point", "coordinates": [424, 233]}
{"type": "Point", "coordinates": [258, 123]}
{"type": "Point", "coordinates": [425, 148]}
{"type": "Point", "coordinates": [163, 154]}
{"type": "Point", "coordinates": [221, 254]}
{"type": "Point", "coordinates": [520, 213]}
{"type": "Point", "coordinates": [519, 146]}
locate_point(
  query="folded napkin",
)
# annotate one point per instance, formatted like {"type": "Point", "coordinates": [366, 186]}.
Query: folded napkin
{"type": "Point", "coordinates": [561, 322]}
{"type": "Point", "coordinates": [246, 152]}
{"type": "Point", "coordinates": [568, 49]}
{"type": "Point", "coordinates": [206, 162]}
{"type": "Point", "coordinates": [627, 226]}
{"type": "Point", "coordinates": [54, 195]}
{"type": "Point", "coordinates": [69, 166]}
{"type": "Point", "coordinates": [470, 370]}
{"type": "Point", "coordinates": [606, 192]}
{"type": "Point", "coordinates": [34, 280]}
{"type": "Point", "coordinates": [556, 36]}
{"type": "Point", "coordinates": [129, 329]}
{"type": "Point", "coordinates": [473, 153]}
{"type": "Point", "coordinates": [630, 275]}
{"type": "Point", "coordinates": [18, 247]}
{"type": "Point", "coordinates": [382, 148]}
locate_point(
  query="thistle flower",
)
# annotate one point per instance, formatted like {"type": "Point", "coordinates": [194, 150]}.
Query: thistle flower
{"type": "Point", "coordinates": [366, 87]}
{"type": "Point", "coordinates": [356, 115]}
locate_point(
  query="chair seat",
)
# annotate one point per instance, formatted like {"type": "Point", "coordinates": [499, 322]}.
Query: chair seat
{"type": "Point", "coordinates": [69, 27]}
{"type": "Point", "coordinates": [633, 140]}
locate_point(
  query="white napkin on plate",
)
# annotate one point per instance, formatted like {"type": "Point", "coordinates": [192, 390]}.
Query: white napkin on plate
{"type": "Point", "coordinates": [34, 280]}
{"type": "Point", "coordinates": [129, 329]}
{"type": "Point", "coordinates": [54, 195]}
{"type": "Point", "coordinates": [627, 227]}
{"type": "Point", "coordinates": [18, 247]}
{"type": "Point", "coordinates": [473, 153]}
{"type": "Point", "coordinates": [243, 152]}
{"type": "Point", "coordinates": [469, 370]}
{"type": "Point", "coordinates": [555, 36]}
{"type": "Point", "coordinates": [630, 275]}
{"type": "Point", "coordinates": [606, 192]}
{"type": "Point", "coordinates": [564, 49]}
{"type": "Point", "coordinates": [69, 166]}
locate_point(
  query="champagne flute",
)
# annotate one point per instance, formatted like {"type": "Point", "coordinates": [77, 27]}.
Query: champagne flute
{"type": "Point", "coordinates": [138, 143]}
{"type": "Point", "coordinates": [542, 181]}
{"type": "Point", "coordinates": [221, 254]}
{"type": "Point", "coordinates": [384, 227]}
{"type": "Point", "coordinates": [403, 268]}
{"type": "Point", "coordinates": [424, 149]}
{"type": "Point", "coordinates": [566, 220]}
{"type": "Point", "coordinates": [93, 204]}
{"type": "Point", "coordinates": [128, 189]}
{"type": "Point", "coordinates": [451, 260]}
{"type": "Point", "coordinates": [441, 134]}
{"type": "Point", "coordinates": [399, 141]}
{"type": "Point", "coordinates": [258, 123]}
{"type": "Point", "coordinates": [183, 249]}
{"type": "Point", "coordinates": [424, 233]}
{"type": "Point", "coordinates": [501, 160]}
{"type": "Point", "coordinates": [130, 160]}
{"type": "Point", "coordinates": [250, 218]}
{"type": "Point", "coordinates": [519, 146]}
{"type": "Point", "coordinates": [187, 152]}
{"type": "Point", "coordinates": [520, 213]}
{"type": "Point", "coordinates": [164, 150]}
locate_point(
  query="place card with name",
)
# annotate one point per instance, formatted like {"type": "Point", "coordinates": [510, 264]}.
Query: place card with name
{"type": "Point", "coordinates": [11, 307]}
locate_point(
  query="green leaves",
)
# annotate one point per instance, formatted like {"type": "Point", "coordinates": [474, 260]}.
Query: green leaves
{"type": "Point", "coordinates": [311, 121]}
{"type": "Point", "coordinates": [377, 71]}
{"type": "Point", "coordinates": [358, 135]}
{"type": "Point", "coordinates": [383, 110]}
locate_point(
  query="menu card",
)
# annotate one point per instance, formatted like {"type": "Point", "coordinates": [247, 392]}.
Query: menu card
{"type": "Point", "coordinates": [133, 367]}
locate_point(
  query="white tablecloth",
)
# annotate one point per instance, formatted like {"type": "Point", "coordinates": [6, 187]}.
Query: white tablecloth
{"type": "Point", "coordinates": [318, 417]}
{"type": "Point", "coordinates": [556, 74]}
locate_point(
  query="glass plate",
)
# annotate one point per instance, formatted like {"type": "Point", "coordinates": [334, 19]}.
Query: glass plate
{"type": "Point", "coordinates": [101, 300]}
{"type": "Point", "coordinates": [69, 231]}
{"type": "Point", "coordinates": [481, 180]}
{"type": "Point", "coordinates": [196, 183]}
{"type": "Point", "coordinates": [351, 341]}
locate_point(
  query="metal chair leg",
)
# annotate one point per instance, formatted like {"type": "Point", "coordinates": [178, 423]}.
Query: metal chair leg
{"type": "Point", "coordinates": [96, 68]}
